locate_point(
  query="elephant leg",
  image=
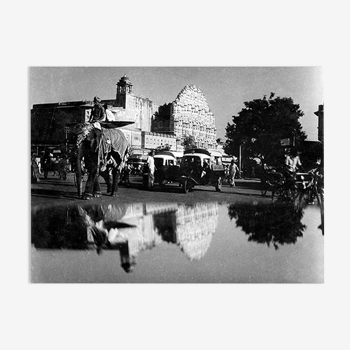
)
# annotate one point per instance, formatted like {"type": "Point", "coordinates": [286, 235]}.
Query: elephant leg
{"type": "Point", "coordinates": [97, 190]}
{"type": "Point", "coordinates": [78, 179]}
{"type": "Point", "coordinates": [91, 185]}
{"type": "Point", "coordinates": [107, 176]}
{"type": "Point", "coordinates": [116, 175]}
{"type": "Point", "coordinates": [88, 193]}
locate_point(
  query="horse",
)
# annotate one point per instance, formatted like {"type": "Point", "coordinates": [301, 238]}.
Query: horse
{"type": "Point", "coordinates": [104, 152]}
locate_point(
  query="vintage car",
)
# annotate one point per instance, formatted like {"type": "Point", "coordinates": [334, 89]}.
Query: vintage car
{"type": "Point", "coordinates": [198, 168]}
{"type": "Point", "coordinates": [166, 169]}
{"type": "Point", "coordinates": [136, 162]}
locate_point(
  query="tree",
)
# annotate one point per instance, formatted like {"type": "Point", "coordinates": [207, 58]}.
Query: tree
{"type": "Point", "coordinates": [188, 142]}
{"type": "Point", "coordinates": [260, 127]}
{"type": "Point", "coordinates": [165, 147]}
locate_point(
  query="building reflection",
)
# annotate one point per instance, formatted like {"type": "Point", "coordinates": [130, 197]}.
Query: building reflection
{"type": "Point", "coordinates": [273, 224]}
{"type": "Point", "coordinates": [127, 228]}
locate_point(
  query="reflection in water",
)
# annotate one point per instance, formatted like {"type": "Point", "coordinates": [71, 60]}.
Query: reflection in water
{"type": "Point", "coordinates": [274, 223]}
{"type": "Point", "coordinates": [124, 235]}
{"type": "Point", "coordinates": [128, 229]}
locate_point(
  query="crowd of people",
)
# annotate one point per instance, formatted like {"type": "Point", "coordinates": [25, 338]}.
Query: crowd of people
{"type": "Point", "coordinates": [58, 165]}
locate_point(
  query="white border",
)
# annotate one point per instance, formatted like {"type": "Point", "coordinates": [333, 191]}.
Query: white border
{"type": "Point", "coordinates": [173, 316]}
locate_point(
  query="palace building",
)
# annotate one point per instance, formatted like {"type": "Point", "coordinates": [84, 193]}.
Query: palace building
{"type": "Point", "coordinates": [189, 114]}
{"type": "Point", "coordinates": [151, 125]}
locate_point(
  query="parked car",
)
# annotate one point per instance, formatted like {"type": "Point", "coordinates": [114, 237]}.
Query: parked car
{"type": "Point", "coordinates": [166, 169]}
{"type": "Point", "coordinates": [137, 162]}
{"type": "Point", "coordinates": [198, 169]}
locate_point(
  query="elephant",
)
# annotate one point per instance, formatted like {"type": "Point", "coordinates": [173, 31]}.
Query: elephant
{"type": "Point", "coordinates": [104, 152]}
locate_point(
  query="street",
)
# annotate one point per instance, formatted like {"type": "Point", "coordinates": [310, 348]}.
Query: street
{"type": "Point", "coordinates": [166, 236]}
{"type": "Point", "coordinates": [55, 191]}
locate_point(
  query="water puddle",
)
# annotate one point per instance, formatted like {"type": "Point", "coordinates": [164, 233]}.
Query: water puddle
{"type": "Point", "coordinates": [178, 243]}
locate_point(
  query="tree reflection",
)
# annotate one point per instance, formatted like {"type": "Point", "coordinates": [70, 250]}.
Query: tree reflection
{"type": "Point", "coordinates": [275, 223]}
{"type": "Point", "coordinates": [58, 228]}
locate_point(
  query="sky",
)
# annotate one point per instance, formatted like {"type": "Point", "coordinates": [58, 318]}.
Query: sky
{"type": "Point", "coordinates": [225, 88]}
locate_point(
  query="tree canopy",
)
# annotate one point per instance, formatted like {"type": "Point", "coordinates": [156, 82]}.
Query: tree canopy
{"type": "Point", "coordinates": [261, 125]}
{"type": "Point", "coordinates": [188, 142]}
{"type": "Point", "coordinates": [165, 147]}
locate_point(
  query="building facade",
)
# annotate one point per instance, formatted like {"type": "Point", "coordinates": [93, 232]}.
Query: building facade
{"type": "Point", "coordinates": [151, 125]}
{"type": "Point", "coordinates": [188, 115]}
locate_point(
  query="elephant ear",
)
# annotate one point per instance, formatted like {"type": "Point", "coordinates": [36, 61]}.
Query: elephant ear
{"type": "Point", "coordinates": [119, 142]}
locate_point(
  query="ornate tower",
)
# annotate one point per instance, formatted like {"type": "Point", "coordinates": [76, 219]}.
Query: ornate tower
{"type": "Point", "coordinates": [124, 88]}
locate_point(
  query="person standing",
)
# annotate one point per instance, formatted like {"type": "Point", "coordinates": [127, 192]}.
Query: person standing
{"type": "Point", "coordinates": [293, 162]}
{"type": "Point", "coordinates": [46, 162]}
{"type": "Point", "coordinates": [232, 173]}
{"type": "Point", "coordinates": [34, 170]}
{"type": "Point", "coordinates": [151, 169]}
{"type": "Point", "coordinates": [292, 165]}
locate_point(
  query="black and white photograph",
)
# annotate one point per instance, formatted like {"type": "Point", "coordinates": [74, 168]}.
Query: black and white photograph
{"type": "Point", "coordinates": [177, 174]}
{"type": "Point", "coordinates": [181, 187]}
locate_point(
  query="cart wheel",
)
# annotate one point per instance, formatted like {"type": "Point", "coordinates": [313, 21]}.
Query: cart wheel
{"type": "Point", "coordinates": [218, 185]}
{"type": "Point", "coordinates": [185, 187]}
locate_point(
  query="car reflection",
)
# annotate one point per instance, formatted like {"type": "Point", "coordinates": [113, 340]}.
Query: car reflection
{"type": "Point", "coordinates": [131, 229]}
{"type": "Point", "coordinates": [273, 224]}
{"type": "Point", "coordinates": [127, 228]}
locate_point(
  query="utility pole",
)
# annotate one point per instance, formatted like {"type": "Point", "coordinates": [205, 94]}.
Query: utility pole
{"type": "Point", "coordinates": [66, 141]}
{"type": "Point", "coordinates": [240, 157]}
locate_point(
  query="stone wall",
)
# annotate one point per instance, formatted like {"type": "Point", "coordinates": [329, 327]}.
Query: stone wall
{"type": "Point", "coordinates": [143, 110]}
{"type": "Point", "coordinates": [152, 140]}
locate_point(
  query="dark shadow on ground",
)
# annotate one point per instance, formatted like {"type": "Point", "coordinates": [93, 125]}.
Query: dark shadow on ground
{"type": "Point", "coordinates": [53, 193]}
{"type": "Point", "coordinates": [252, 185]}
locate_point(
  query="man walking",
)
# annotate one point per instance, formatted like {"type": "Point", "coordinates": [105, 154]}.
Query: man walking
{"type": "Point", "coordinates": [151, 169]}
{"type": "Point", "coordinates": [232, 173]}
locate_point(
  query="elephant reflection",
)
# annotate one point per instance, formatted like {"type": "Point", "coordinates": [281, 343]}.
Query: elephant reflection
{"type": "Point", "coordinates": [82, 228]}
{"type": "Point", "coordinates": [275, 223]}
{"type": "Point", "coordinates": [129, 229]}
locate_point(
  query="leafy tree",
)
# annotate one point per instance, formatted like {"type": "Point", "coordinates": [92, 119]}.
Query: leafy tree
{"type": "Point", "coordinates": [188, 142]}
{"type": "Point", "coordinates": [260, 127]}
{"type": "Point", "coordinates": [165, 147]}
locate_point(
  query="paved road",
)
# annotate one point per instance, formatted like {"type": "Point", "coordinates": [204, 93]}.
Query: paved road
{"type": "Point", "coordinates": [54, 191]}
